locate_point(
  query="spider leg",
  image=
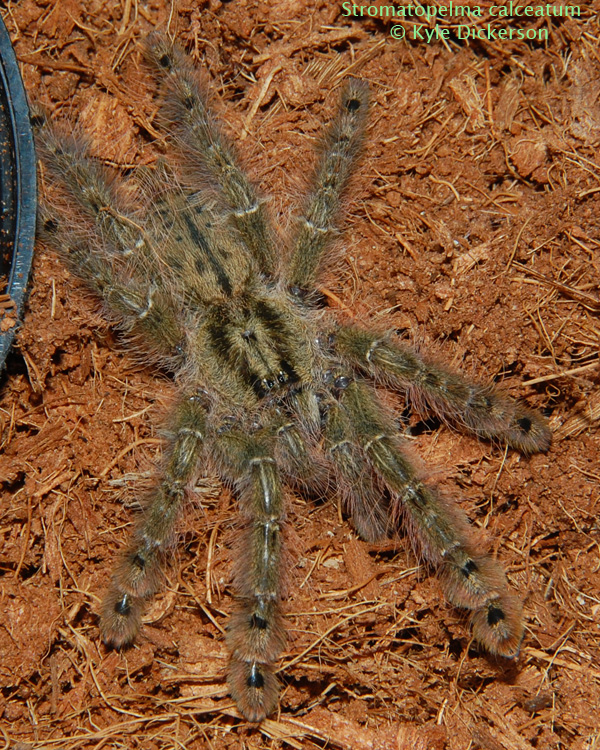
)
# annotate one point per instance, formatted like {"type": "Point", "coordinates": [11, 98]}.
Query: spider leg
{"type": "Point", "coordinates": [316, 225]}
{"type": "Point", "coordinates": [138, 574]}
{"type": "Point", "coordinates": [363, 497]}
{"type": "Point", "coordinates": [297, 455]}
{"type": "Point", "coordinates": [206, 149]}
{"type": "Point", "coordinates": [478, 408]}
{"type": "Point", "coordinates": [256, 635]}
{"type": "Point", "coordinates": [87, 193]}
{"type": "Point", "coordinates": [470, 577]}
{"type": "Point", "coordinates": [105, 246]}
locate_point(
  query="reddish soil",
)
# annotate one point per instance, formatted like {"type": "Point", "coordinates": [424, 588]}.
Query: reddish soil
{"type": "Point", "coordinates": [473, 226]}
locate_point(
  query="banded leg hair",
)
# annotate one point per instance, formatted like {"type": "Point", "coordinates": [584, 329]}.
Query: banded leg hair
{"type": "Point", "coordinates": [105, 245]}
{"type": "Point", "coordinates": [255, 633]}
{"type": "Point", "coordinates": [186, 112]}
{"type": "Point", "coordinates": [471, 578]}
{"type": "Point", "coordinates": [362, 495]}
{"type": "Point", "coordinates": [138, 574]}
{"type": "Point", "coordinates": [316, 224]}
{"type": "Point", "coordinates": [479, 409]}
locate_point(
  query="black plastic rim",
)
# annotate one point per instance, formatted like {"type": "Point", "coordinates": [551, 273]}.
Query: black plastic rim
{"type": "Point", "coordinates": [18, 188]}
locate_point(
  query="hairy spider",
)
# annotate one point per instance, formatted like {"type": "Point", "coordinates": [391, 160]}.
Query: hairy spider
{"type": "Point", "coordinates": [275, 388]}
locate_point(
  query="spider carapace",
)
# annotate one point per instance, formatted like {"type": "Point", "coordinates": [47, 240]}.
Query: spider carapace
{"type": "Point", "coordinates": [276, 390]}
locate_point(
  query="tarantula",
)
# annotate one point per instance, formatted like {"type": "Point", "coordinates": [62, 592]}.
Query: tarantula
{"type": "Point", "coordinates": [275, 388]}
